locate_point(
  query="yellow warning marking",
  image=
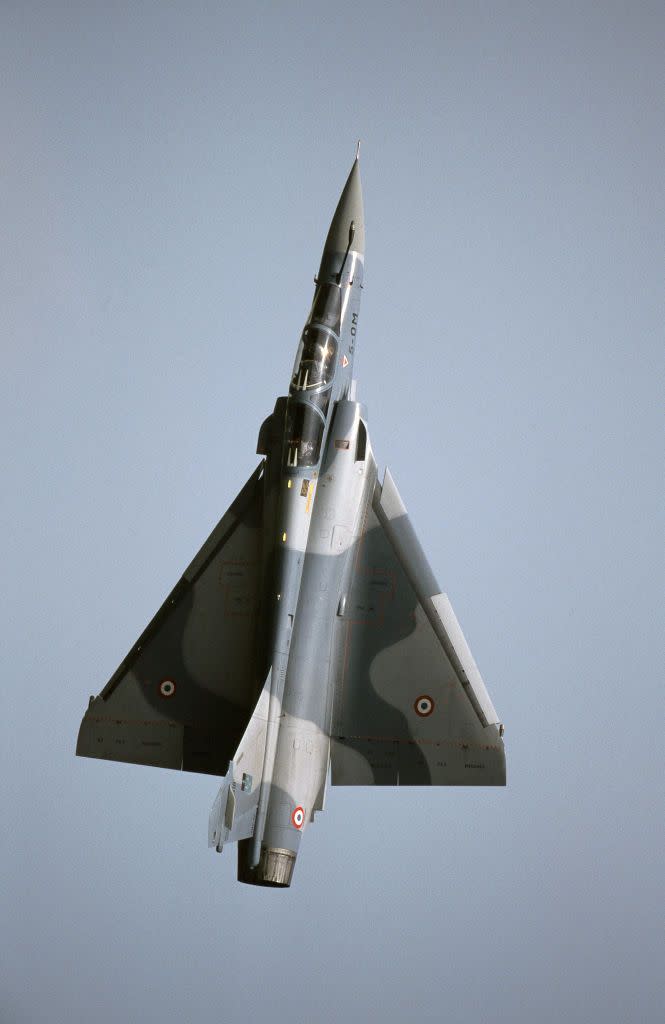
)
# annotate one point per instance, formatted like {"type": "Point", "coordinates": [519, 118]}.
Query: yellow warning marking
{"type": "Point", "coordinates": [289, 484]}
{"type": "Point", "coordinates": [284, 537]}
{"type": "Point", "coordinates": [310, 494]}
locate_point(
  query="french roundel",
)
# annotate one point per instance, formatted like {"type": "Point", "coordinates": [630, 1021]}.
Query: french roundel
{"type": "Point", "coordinates": [167, 688]}
{"type": "Point", "coordinates": [423, 705]}
{"type": "Point", "coordinates": [298, 817]}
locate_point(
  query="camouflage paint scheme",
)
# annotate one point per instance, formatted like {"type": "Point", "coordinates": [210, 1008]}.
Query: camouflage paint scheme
{"type": "Point", "coordinates": [309, 633]}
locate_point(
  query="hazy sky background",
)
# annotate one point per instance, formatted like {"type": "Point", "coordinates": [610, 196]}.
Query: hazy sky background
{"type": "Point", "coordinates": [168, 174]}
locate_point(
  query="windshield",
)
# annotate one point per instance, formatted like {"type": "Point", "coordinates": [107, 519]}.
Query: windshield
{"type": "Point", "coordinates": [327, 306]}
{"type": "Point", "coordinates": [315, 361]}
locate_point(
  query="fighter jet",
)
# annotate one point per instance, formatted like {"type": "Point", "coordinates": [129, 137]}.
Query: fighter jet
{"type": "Point", "coordinates": [308, 640]}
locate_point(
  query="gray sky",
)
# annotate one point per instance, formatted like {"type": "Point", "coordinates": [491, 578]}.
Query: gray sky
{"type": "Point", "coordinates": [168, 174]}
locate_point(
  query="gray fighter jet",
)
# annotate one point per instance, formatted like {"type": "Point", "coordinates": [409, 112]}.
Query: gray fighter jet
{"type": "Point", "coordinates": [309, 634]}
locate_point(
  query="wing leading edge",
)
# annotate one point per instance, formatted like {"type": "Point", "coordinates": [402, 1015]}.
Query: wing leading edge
{"type": "Point", "coordinates": [184, 694]}
{"type": "Point", "coordinates": [412, 707]}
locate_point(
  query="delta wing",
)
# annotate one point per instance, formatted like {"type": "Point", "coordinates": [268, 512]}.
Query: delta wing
{"type": "Point", "coordinates": [412, 708]}
{"type": "Point", "coordinates": [185, 692]}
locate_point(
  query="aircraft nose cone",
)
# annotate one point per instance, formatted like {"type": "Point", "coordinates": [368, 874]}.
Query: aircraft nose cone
{"type": "Point", "coordinates": [349, 212]}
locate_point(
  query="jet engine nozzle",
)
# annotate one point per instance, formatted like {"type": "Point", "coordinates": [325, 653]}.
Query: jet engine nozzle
{"type": "Point", "coordinates": [275, 867]}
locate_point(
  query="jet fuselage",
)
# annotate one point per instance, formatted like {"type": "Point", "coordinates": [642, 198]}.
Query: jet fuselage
{"type": "Point", "coordinates": [323, 489]}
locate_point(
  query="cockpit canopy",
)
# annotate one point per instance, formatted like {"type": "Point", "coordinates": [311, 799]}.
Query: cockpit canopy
{"type": "Point", "coordinates": [312, 378]}
{"type": "Point", "coordinates": [303, 435]}
{"type": "Point", "coordinates": [315, 360]}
